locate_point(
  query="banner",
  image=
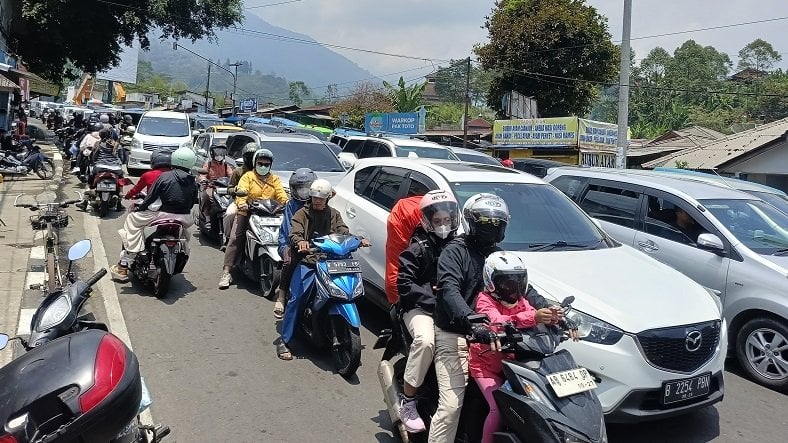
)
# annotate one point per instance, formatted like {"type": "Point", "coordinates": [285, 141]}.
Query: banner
{"type": "Point", "coordinates": [555, 132]}
{"type": "Point", "coordinates": [393, 123]}
{"type": "Point", "coordinates": [598, 135]}
{"type": "Point", "coordinates": [248, 104]}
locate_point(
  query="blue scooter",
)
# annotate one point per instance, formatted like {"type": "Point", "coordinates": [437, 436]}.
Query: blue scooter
{"type": "Point", "coordinates": [329, 317]}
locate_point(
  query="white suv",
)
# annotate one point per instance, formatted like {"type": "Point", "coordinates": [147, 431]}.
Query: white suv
{"type": "Point", "coordinates": [361, 146]}
{"type": "Point", "coordinates": [647, 329]}
{"type": "Point", "coordinates": [158, 129]}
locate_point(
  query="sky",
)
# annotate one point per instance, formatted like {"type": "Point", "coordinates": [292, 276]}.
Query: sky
{"type": "Point", "coordinates": [448, 29]}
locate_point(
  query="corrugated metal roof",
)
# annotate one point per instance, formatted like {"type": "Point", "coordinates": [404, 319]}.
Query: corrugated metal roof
{"type": "Point", "coordinates": [717, 152]}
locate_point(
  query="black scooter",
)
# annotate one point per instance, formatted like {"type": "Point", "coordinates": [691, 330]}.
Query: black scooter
{"type": "Point", "coordinates": [546, 397]}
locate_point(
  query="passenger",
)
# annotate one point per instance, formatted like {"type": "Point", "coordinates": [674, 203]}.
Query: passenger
{"type": "Point", "coordinates": [215, 168]}
{"type": "Point", "coordinates": [416, 281]}
{"type": "Point", "coordinates": [176, 190]}
{"type": "Point", "coordinates": [247, 155]}
{"type": "Point", "coordinates": [300, 182]}
{"type": "Point", "coordinates": [105, 152]}
{"type": "Point", "coordinates": [687, 225]}
{"type": "Point", "coordinates": [258, 184]}
{"type": "Point", "coordinates": [401, 222]}
{"type": "Point", "coordinates": [159, 162]}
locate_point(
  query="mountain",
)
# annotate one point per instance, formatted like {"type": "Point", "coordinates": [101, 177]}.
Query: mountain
{"type": "Point", "coordinates": [278, 61]}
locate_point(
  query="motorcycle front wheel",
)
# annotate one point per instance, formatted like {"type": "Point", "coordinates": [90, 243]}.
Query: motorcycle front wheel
{"type": "Point", "coordinates": [345, 347]}
{"type": "Point", "coordinates": [269, 277]}
{"type": "Point", "coordinates": [45, 169]}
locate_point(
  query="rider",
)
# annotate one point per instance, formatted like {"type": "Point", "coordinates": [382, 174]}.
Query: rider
{"type": "Point", "coordinates": [127, 121]}
{"type": "Point", "coordinates": [416, 283]}
{"type": "Point", "coordinates": [88, 142]}
{"type": "Point", "coordinates": [159, 162]}
{"type": "Point", "coordinates": [300, 182]}
{"type": "Point", "coordinates": [176, 191]}
{"type": "Point", "coordinates": [247, 155]}
{"type": "Point", "coordinates": [215, 168]}
{"type": "Point", "coordinates": [104, 153]}
{"type": "Point", "coordinates": [259, 184]}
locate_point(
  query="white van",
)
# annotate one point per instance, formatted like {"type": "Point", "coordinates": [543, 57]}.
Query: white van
{"type": "Point", "coordinates": [158, 129]}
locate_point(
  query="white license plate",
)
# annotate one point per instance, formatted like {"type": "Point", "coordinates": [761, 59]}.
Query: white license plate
{"type": "Point", "coordinates": [106, 186]}
{"type": "Point", "coordinates": [270, 221]}
{"type": "Point", "coordinates": [571, 382]}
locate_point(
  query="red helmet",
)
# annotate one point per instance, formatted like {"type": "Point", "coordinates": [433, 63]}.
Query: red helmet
{"type": "Point", "coordinates": [508, 163]}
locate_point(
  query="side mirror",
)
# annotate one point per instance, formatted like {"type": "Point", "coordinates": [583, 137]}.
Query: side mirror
{"type": "Point", "coordinates": [3, 341]}
{"type": "Point", "coordinates": [568, 301]}
{"type": "Point", "coordinates": [79, 250]}
{"type": "Point", "coordinates": [711, 243]}
{"type": "Point", "coordinates": [195, 133]}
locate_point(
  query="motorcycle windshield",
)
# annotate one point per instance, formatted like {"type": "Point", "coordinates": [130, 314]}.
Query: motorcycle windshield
{"type": "Point", "coordinates": [336, 244]}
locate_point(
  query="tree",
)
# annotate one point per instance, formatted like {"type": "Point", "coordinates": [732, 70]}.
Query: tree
{"type": "Point", "coordinates": [365, 97]}
{"type": "Point", "coordinates": [450, 83]}
{"type": "Point", "coordinates": [555, 50]}
{"type": "Point", "coordinates": [758, 55]}
{"type": "Point", "coordinates": [405, 98]}
{"type": "Point", "coordinates": [90, 35]}
{"type": "Point", "coordinates": [298, 92]}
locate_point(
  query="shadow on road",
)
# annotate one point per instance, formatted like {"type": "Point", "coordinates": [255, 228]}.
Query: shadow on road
{"type": "Point", "coordinates": [179, 288]}
{"type": "Point", "coordinates": [698, 427]}
{"type": "Point", "coordinates": [384, 422]}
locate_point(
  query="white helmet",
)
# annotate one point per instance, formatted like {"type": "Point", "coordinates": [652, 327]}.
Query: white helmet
{"type": "Point", "coordinates": [505, 276]}
{"type": "Point", "coordinates": [321, 188]}
{"type": "Point", "coordinates": [104, 118]}
{"type": "Point", "coordinates": [439, 200]}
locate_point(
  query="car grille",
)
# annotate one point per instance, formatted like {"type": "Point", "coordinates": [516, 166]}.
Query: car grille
{"type": "Point", "coordinates": [674, 349]}
{"type": "Point", "coordinates": [151, 147]}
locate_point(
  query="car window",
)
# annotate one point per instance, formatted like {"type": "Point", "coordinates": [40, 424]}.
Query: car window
{"type": "Point", "coordinates": [570, 185]}
{"type": "Point", "coordinates": [291, 155]}
{"type": "Point", "coordinates": [419, 184]}
{"type": "Point", "coordinates": [353, 146]}
{"type": "Point", "coordinates": [778, 201]}
{"type": "Point", "coordinates": [361, 178]}
{"type": "Point", "coordinates": [758, 225]}
{"type": "Point", "coordinates": [611, 204]}
{"type": "Point", "coordinates": [671, 220]}
{"type": "Point", "coordinates": [374, 149]}
{"type": "Point", "coordinates": [425, 152]}
{"type": "Point", "coordinates": [384, 188]}
{"type": "Point", "coordinates": [477, 158]}
{"type": "Point", "coordinates": [164, 127]}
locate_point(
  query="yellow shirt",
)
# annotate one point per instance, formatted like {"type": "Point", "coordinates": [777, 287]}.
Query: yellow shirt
{"type": "Point", "coordinates": [260, 188]}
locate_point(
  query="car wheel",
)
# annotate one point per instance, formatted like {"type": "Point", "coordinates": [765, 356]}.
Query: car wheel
{"type": "Point", "coordinates": [762, 350]}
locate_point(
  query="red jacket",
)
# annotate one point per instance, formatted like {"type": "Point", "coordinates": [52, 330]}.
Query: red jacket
{"type": "Point", "coordinates": [404, 217]}
{"type": "Point", "coordinates": [146, 181]}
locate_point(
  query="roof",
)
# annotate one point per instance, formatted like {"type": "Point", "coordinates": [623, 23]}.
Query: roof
{"type": "Point", "coordinates": [479, 123]}
{"type": "Point", "coordinates": [731, 182]}
{"type": "Point", "coordinates": [453, 171]}
{"type": "Point", "coordinates": [697, 189]}
{"type": "Point", "coordinates": [675, 140]}
{"type": "Point", "coordinates": [716, 153]}
{"type": "Point", "coordinates": [7, 84]}
{"type": "Point", "coordinates": [167, 114]}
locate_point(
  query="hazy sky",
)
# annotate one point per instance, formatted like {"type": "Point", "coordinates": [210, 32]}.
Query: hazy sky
{"type": "Point", "coordinates": [448, 29]}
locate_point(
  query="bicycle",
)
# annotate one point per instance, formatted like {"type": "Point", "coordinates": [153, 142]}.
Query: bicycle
{"type": "Point", "coordinates": [50, 218]}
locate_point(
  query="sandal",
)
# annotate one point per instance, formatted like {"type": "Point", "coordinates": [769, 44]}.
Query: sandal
{"type": "Point", "coordinates": [283, 352]}
{"type": "Point", "coordinates": [279, 310]}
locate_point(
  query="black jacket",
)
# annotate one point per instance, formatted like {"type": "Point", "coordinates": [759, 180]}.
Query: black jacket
{"type": "Point", "coordinates": [418, 271]}
{"type": "Point", "coordinates": [460, 280]}
{"type": "Point", "coordinates": [177, 191]}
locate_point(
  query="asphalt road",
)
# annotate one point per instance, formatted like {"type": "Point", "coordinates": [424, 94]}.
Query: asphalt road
{"type": "Point", "coordinates": [209, 361]}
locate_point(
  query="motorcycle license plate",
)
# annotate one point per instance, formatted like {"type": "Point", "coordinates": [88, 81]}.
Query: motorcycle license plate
{"type": "Point", "coordinates": [270, 221]}
{"type": "Point", "coordinates": [679, 390]}
{"type": "Point", "coordinates": [571, 382]}
{"type": "Point", "coordinates": [106, 186]}
{"type": "Point", "coordinates": [342, 266]}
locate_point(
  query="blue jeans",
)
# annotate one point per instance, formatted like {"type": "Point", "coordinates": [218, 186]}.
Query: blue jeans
{"type": "Point", "coordinates": [300, 285]}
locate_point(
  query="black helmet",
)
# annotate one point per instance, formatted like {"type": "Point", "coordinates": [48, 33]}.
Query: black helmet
{"type": "Point", "coordinates": [127, 118]}
{"type": "Point", "coordinates": [485, 217]}
{"type": "Point", "coordinates": [105, 134]}
{"type": "Point", "coordinates": [300, 182]}
{"type": "Point", "coordinates": [96, 126]}
{"type": "Point", "coordinates": [160, 158]}
{"type": "Point", "coordinates": [218, 150]}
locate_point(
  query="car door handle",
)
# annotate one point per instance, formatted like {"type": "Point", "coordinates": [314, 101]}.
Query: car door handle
{"type": "Point", "coordinates": [350, 212]}
{"type": "Point", "coordinates": [648, 246]}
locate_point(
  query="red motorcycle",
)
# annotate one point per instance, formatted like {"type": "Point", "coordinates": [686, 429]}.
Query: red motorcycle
{"type": "Point", "coordinates": [108, 183]}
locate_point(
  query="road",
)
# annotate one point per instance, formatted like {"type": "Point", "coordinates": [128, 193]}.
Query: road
{"type": "Point", "coordinates": [209, 361]}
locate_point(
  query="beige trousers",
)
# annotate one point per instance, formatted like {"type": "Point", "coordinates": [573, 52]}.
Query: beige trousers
{"type": "Point", "coordinates": [133, 236]}
{"type": "Point", "coordinates": [422, 329]}
{"type": "Point", "coordinates": [451, 369]}
{"type": "Point", "coordinates": [229, 218]}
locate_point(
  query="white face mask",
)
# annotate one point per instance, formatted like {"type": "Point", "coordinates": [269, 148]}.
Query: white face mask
{"type": "Point", "coordinates": [443, 231]}
{"type": "Point", "coordinates": [263, 170]}
{"type": "Point", "coordinates": [218, 158]}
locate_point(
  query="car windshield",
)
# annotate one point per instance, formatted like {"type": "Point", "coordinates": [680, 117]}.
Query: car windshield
{"type": "Point", "coordinates": [758, 225]}
{"type": "Point", "coordinates": [541, 217]}
{"type": "Point", "coordinates": [425, 152]}
{"type": "Point", "coordinates": [778, 201]}
{"type": "Point", "coordinates": [483, 159]}
{"type": "Point", "coordinates": [205, 124]}
{"type": "Point", "coordinates": [291, 155]}
{"type": "Point", "coordinates": [163, 127]}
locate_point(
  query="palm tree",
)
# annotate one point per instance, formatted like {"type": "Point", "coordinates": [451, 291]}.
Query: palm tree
{"type": "Point", "coordinates": [405, 98]}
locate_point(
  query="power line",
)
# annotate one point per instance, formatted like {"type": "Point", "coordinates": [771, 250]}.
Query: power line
{"type": "Point", "coordinates": [273, 4]}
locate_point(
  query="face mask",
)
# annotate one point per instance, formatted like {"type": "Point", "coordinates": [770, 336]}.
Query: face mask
{"type": "Point", "coordinates": [487, 234]}
{"type": "Point", "coordinates": [302, 193]}
{"type": "Point", "coordinates": [218, 158]}
{"type": "Point", "coordinates": [263, 170]}
{"type": "Point", "coordinates": [443, 231]}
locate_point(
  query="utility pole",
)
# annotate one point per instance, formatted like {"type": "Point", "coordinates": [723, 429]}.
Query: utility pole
{"type": "Point", "coordinates": [235, 80]}
{"type": "Point", "coordinates": [623, 89]}
{"type": "Point", "coordinates": [207, 88]}
{"type": "Point", "coordinates": [467, 101]}
{"type": "Point", "coordinates": [175, 47]}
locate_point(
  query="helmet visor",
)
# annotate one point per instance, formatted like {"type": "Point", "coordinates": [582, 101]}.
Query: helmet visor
{"type": "Point", "coordinates": [510, 286]}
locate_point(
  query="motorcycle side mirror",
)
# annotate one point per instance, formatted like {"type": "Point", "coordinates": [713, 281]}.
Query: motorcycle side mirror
{"type": "Point", "coordinates": [3, 341]}
{"type": "Point", "coordinates": [79, 250]}
{"type": "Point", "coordinates": [568, 301]}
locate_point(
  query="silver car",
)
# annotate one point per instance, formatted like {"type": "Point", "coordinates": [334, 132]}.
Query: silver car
{"type": "Point", "coordinates": [727, 240]}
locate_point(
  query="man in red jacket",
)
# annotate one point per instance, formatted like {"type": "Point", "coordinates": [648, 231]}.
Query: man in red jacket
{"type": "Point", "coordinates": [404, 217]}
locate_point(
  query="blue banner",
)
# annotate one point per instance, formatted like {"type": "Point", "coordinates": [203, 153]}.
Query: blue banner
{"type": "Point", "coordinates": [248, 104]}
{"type": "Point", "coordinates": [393, 123]}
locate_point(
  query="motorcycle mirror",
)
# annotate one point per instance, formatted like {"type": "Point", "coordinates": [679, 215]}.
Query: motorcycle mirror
{"type": "Point", "coordinates": [3, 341]}
{"type": "Point", "coordinates": [568, 301]}
{"type": "Point", "coordinates": [79, 250]}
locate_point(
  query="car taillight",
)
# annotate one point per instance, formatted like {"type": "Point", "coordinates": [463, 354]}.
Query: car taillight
{"type": "Point", "coordinates": [7, 439]}
{"type": "Point", "coordinates": [108, 371]}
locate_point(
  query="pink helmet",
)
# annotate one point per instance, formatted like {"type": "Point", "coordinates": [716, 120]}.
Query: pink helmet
{"type": "Point", "coordinates": [440, 201]}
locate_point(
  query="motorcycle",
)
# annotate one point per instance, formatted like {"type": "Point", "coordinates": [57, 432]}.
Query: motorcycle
{"type": "Point", "coordinates": [108, 182]}
{"type": "Point", "coordinates": [546, 396]}
{"type": "Point", "coordinates": [260, 261]}
{"type": "Point", "coordinates": [329, 317]}
{"type": "Point", "coordinates": [220, 200]}
{"type": "Point", "coordinates": [30, 159]}
{"type": "Point", "coordinates": [75, 381]}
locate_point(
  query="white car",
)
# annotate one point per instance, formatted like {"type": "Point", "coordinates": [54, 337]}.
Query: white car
{"type": "Point", "coordinates": [653, 338]}
{"type": "Point", "coordinates": [158, 129]}
{"type": "Point", "coordinates": [367, 146]}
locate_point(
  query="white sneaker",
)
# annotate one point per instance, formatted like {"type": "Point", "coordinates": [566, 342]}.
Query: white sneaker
{"type": "Point", "coordinates": [225, 280]}
{"type": "Point", "coordinates": [409, 416]}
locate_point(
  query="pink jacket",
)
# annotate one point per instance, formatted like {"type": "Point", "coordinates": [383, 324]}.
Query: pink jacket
{"type": "Point", "coordinates": [488, 364]}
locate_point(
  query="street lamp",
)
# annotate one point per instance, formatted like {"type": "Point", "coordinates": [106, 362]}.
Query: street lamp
{"type": "Point", "coordinates": [175, 47]}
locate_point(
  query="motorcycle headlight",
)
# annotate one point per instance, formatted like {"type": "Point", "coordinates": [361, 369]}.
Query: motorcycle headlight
{"type": "Point", "coordinates": [535, 393]}
{"type": "Point", "coordinates": [592, 329]}
{"type": "Point", "coordinates": [55, 313]}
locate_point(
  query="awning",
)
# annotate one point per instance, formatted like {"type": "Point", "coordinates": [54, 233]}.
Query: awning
{"type": "Point", "coordinates": [7, 85]}
{"type": "Point", "coordinates": [40, 86]}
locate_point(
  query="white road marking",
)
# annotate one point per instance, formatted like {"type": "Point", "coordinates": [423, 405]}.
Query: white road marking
{"type": "Point", "coordinates": [35, 278]}
{"type": "Point", "coordinates": [38, 253]}
{"type": "Point", "coordinates": [25, 316]}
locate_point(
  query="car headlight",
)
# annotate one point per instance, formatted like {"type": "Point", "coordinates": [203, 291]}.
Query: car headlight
{"type": "Point", "coordinates": [715, 297]}
{"type": "Point", "coordinates": [592, 329]}
{"type": "Point", "coordinates": [136, 143]}
{"type": "Point", "coordinates": [55, 313]}
{"type": "Point", "coordinates": [535, 393]}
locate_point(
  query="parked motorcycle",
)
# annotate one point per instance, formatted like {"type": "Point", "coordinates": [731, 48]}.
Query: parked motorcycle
{"type": "Point", "coordinates": [260, 261]}
{"type": "Point", "coordinates": [28, 160]}
{"type": "Point", "coordinates": [108, 183]}
{"type": "Point", "coordinates": [547, 397]}
{"type": "Point", "coordinates": [330, 318]}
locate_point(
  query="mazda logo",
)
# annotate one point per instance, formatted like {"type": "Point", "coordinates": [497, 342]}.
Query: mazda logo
{"type": "Point", "coordinates": [693, 340]}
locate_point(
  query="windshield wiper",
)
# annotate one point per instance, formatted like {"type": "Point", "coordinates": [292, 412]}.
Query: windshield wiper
{"type": "Point", "coordinates": [561, 244]}
{"type": "Point", "coordinates": [782, 251]}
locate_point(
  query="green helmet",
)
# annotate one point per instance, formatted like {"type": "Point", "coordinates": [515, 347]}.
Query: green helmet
{"type": "Point", "coordinates": [247, 154]}
{"type": "Point", "coordinates": [183, 158]}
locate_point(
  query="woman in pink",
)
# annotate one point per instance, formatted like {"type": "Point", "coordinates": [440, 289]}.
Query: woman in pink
{"type": "Point", "coordinates": [502, 300]}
